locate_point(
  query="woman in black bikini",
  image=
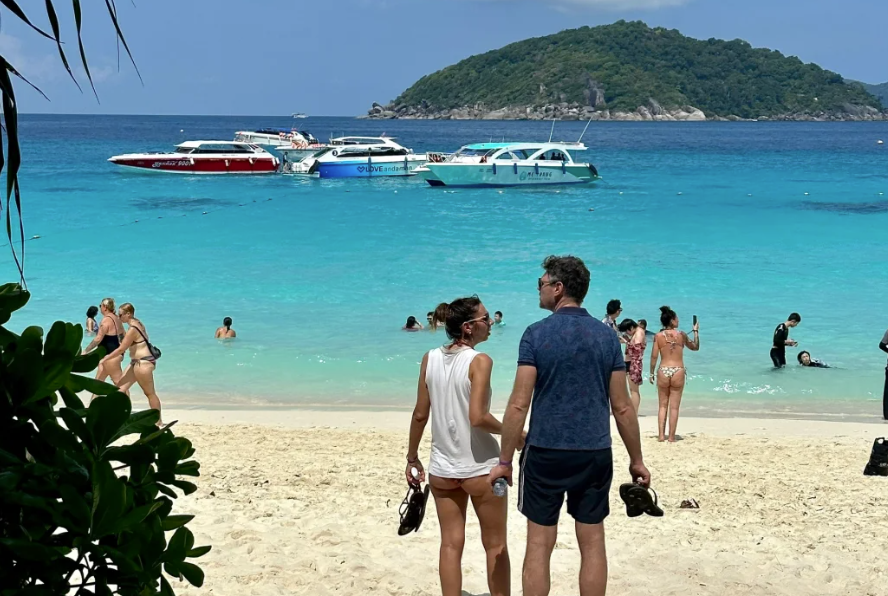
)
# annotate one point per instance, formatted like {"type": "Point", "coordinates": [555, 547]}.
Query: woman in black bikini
{"type": "Point", "coordinates": [108, 335]}
{"type": "Point", "coordinates": [142, 363]}
{"type": "Point", "coordinates": [669, 346]}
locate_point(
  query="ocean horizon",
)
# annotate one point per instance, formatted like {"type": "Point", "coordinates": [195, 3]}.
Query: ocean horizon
{"type": "Point", "coordinates": [737, 223]}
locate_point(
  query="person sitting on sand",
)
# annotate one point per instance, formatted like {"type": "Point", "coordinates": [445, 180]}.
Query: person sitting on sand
{"type": "Point", "coordinates": [225, 331]}
{"type": "Point", "coordinates": [412, 324]}
{"type": "Point", "coordinates": [669, 346]}
{"type": "Point", "coordinates": [806, 360]}
{"type": "Point", "coordinates": [91, 326]}
{"type": "Point", "coordinates": [454, 389]}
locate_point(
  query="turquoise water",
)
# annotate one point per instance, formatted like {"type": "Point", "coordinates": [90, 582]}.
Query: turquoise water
{"type": "Point", "coordinates": [319, 275]}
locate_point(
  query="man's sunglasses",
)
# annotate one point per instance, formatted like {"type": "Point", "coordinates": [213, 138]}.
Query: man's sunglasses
{"type": "Point", "coordinates": [541, 283]}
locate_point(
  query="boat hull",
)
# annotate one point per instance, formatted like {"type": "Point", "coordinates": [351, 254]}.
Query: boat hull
{"type": "Point", "coordinates": [506, 174]}
{"type": "Point", "coordinates": [370, 169]}
{"type": "Point", "coordinates": [185, 165]}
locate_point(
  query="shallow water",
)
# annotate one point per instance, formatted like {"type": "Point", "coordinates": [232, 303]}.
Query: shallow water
{"type": "Point", "coordinates": [319, 275]}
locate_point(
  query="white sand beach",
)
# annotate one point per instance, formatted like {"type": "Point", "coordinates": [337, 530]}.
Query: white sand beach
{"type": "Point", "coordinates": [306, 502]}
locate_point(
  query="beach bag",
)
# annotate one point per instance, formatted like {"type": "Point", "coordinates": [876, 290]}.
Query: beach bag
{"type": "Point", "coordinates": [154, 350]}
{"type": "Point", "coordinates": [878, 461]}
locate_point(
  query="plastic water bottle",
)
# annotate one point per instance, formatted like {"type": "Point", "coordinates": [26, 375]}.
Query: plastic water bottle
{"type": "Point", "coordinates": [500, 487]}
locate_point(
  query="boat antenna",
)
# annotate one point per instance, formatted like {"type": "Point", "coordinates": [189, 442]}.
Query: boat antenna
{"type": "Point", "coordinates": [551, 132]}
{"type": "Point", "coordinates": [584, 130]}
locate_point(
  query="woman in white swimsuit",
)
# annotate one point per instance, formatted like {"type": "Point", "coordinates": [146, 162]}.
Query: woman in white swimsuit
{"type": "Point", "coordinates": [669, 347]}
{"type": "Point", "coordinates": [454, 388]}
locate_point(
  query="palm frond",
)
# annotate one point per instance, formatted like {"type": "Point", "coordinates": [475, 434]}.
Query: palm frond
{"type": "Point", "coordinates": [11, 159]}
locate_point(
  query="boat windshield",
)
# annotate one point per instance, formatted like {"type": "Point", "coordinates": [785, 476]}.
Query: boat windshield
{"type": "Point", "coordinates": [184, 149]}
{"type": "Point", "coordinates": [223, 148]}
{"type": "Point", "coordinates": [378, 151]}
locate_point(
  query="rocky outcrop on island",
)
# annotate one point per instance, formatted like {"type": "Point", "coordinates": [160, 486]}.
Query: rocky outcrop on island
{"type": "Point", "coordinates": [652, 112]}
{"type": "Point", "coordinates": [632, 72]}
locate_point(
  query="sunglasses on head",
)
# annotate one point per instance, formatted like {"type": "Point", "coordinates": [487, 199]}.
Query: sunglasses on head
{"type": "Point", "coordinates": [485, 318]}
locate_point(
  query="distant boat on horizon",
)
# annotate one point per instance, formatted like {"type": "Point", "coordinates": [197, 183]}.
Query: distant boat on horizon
{"type": "Point", "coordinates": [300, 115]}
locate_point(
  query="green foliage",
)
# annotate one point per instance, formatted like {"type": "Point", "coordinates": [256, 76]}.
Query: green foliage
{"type": "Point", "coordinates": [85, 492]}
{"type": "Point", "coordinates": [880, 91]}
{"type": "Point", "coordinates": [634, 63]}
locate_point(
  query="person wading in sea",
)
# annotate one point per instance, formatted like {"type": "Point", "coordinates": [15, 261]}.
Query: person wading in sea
{"type": "Point", "coordinates": [781, 340]}
{"type": "Point", "coordinates": [883, 345]}
{"type": "Point", "coordinates": [571, 366]}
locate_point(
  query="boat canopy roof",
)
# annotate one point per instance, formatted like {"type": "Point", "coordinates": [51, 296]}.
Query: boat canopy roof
{"type": "Point", "coordinates": [364, 141]}
{"type": "Point", "coordinates": [525, 146]}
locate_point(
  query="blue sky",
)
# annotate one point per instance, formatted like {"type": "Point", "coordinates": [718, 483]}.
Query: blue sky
{"type": "Point", "coordinates": [336, 57]}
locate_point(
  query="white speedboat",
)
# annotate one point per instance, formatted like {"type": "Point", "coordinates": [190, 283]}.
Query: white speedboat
{"type": "Point", "coordinates": [299, 115]}
{"type": "Point", "coordinates": [355, 157]}
{"type": "Point", "coordinates": [277, 137]}
{"type": "Point", "coordinates": [509, 164]}
{"type": "Point", "coordinates": [204, 157]}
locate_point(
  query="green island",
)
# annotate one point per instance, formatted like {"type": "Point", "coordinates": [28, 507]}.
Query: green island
{"type": "Point", "coordinates": [629, 71]}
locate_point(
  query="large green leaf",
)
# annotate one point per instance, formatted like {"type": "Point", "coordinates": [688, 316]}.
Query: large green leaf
{"type": "Point", "coordinates": [198, 552]}
{"type": "Point", "coordinates": [77, 505]}
{"type": "Point", "coordinates": [13, 297]}
{"type": "Point", "coordinates": [130, 454]}
{"type": "Point", "coordinates": [171, 522]}
{"type": "Point", "coordinates": [78, 383]}
{"type": "Point", "coordinates": [25, 375]}
{"type": "Point", "coordinates": [138, 423]}
{"type": "Point", "coordinates": [59, 437]}
{"type": "Point", "coordinates": [184, 486]}
{"type": "Point", "coordinates": [135, 516]}
{"type": "Point", "coordinates": [106, 415]}
{"type": "Point", "coordinates": [181, 542]}
{"type": "Point", "coordinates": [33, 551]}
{"type": "Point", "coordinates": [75, 424]}
{"type": "Point", "coordinates": [88, 362]}
{"type": "Point", "coordinates": [188, 468]}
{"type": "Point", "coordinates": [192, 573]}
{"type": "Point", "coordinates": [109, 500]}
{"type": "Point", "coordinates": [71, 400]}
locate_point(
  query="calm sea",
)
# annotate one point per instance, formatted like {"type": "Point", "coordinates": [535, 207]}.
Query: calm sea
{"type": "Point", "coordinates": [738, 223]}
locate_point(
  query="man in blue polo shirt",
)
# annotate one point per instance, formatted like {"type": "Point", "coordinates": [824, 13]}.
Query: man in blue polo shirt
{"type": "Point", "coordinates": [571, 366]}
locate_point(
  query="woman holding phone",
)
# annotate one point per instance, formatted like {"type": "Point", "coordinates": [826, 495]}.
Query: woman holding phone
{"type": "Point", "coordinates": [669, 347]}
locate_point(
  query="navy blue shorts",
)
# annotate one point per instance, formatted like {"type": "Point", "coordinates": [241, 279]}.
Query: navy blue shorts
{"type": "Point", "coordinates": [548, 474]}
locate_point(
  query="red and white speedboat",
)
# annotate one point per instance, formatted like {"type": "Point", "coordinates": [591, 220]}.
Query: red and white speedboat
{"type": "Point", "coordinates": [204, 157]}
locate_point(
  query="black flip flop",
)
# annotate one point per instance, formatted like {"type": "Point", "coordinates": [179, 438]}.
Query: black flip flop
{"type": "Point", "coordinates": [640, 500]}
{"type": "Point", "coordinates": [413, 509]}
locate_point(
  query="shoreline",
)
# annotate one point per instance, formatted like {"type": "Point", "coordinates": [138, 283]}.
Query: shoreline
{"type": "Point", "coordinates": [351, 418]}
{"type": "Point", "coordinates": [869, 411]}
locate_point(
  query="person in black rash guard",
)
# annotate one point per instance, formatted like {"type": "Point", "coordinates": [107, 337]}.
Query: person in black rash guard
{"type": "Point", "coordinates": [781, 340]}
{"type": "Point", "coordinates": [806, 360]}
{"type": "Point", "coordinates": [883, 345]}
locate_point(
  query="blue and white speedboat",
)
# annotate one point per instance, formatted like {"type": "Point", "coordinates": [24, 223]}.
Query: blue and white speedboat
{"type": "Point", "coordinates": [509, 164]}
{"type": "Point", "coordinates": [357, 157]}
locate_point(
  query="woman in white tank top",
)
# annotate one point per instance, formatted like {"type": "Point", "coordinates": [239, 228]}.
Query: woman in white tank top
{"type": "Point", "coordinates": [454, 388]}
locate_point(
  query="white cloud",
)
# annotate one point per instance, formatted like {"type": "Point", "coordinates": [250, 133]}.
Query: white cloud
{"type": "Point", "coordinates": [34, 68]}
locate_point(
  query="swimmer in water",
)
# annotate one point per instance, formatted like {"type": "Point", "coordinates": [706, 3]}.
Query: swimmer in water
{"type": "Point", "coordinates": [225, 331]}
{"type": "Point", "coordinates": [806, 360]}
{"type": "Point", "coordinates": [412, 324]}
